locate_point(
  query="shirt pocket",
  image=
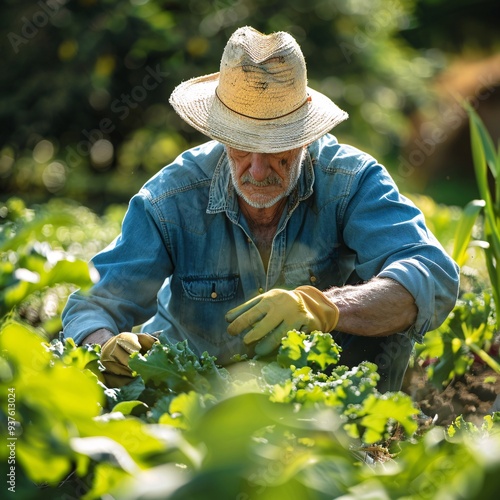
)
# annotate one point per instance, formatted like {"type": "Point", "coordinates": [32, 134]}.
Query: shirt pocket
{"type": "Point", "coordinates": [212, 289]}
{"type": "Point", "coordinates": [205, 301]}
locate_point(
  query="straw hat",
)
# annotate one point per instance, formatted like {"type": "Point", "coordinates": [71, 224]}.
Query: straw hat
{"type": "Point", "coordinates": [259, 101]}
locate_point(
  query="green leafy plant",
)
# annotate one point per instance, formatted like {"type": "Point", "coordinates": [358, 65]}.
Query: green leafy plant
{"type": "Point", "coordinates": [44, 386]}
{"type": "Point", "coordinates": [468, 331]}
{"type": "Point", "coordinates": [44, 253]}
{"type": "Point", "coordinates": [176, 381]}
{"type": "Point", "coordinates": [221, 433]}
{"type": "Point", "coordinates": [462, 428]}
{"type": "Point", "coordinates": [367, 413]}
{"type": "Point", "coordinates": [441, 219]}
{"type": "Point", "coordinates": [294, 425]}
{"type": "Point", "coordinates": [486, 160]}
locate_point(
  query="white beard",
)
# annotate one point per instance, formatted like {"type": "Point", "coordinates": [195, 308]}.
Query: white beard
{"type": "Point", "coordinates": [273, 179]}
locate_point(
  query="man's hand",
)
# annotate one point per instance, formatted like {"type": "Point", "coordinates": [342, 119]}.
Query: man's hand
{"type": "Point", "coordinates": [266, 319]}
{"type": "Point", "coordinates": [116, 352]}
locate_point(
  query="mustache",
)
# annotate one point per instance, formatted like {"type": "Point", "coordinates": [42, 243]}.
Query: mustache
{"type": "Point", "coordinates": [271, 180]}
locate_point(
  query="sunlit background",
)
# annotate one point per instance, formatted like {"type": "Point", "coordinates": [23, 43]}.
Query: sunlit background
{"type": "Point", "coordinates": [84, 110]}
{"type": "Point", "coordinates": [85, 121]}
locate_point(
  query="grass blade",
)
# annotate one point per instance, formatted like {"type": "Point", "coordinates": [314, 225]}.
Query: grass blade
{"type": "Point", "coordinates": [464, 229]}
{"type": "Point", "coordinates": [484, 137]}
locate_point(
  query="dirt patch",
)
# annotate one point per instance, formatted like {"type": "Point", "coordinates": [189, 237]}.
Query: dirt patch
{"type": "Point", "coordinates": [473, 395]}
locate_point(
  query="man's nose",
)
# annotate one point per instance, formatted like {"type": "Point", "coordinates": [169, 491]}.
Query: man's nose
{"type": "Point", "coordinates": [259, 167]}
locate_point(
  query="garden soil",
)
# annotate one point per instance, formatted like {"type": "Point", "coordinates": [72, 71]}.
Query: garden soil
{"type": "Point", "coordinates": [473, 395]}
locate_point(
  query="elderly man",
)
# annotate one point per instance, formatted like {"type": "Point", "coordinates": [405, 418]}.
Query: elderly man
{"type": "Point", "coordinates": [271, 226]}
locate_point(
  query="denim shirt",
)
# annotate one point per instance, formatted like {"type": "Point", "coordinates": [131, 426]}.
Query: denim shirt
{"type": "Point", "coordinates": [186, 255]}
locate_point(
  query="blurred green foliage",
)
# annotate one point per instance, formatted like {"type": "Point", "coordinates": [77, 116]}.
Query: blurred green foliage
{"type": "Point", "coordinates": [44, 252]}
{"type": "Point", "coordinates": [85, 84]}
{"type": "Point", "coordinates": [238, 444]}
{"type": "Point", "coordinates": [468, 333]}
{"type": "Point", "coordinates": [486, 161]}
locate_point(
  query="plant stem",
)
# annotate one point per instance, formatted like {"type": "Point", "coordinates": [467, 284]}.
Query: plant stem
{"type": "Point", "coordinates": [484, 356]}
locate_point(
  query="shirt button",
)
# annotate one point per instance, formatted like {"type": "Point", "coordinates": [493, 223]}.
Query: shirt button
{"type": "Point", "coordinates": [313, 279]}
{"type": "Point", "coordinates": [213, 295]}
{"type": "Point", "coordinates": [261, 290]}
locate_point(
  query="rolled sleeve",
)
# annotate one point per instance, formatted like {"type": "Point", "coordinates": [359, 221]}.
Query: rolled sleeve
{"type": "Point", "coordinates": [433, 285]}
{"type": "Point", "coordinates": [79, 324]}
{"type": "Point", "coordinates": [390, 239]}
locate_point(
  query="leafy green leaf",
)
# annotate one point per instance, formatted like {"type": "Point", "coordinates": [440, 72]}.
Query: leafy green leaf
{"type": "Point", "coordinates": [464, 229]}
{"type": "Point", "coordinates": [273, 373]}
{"type": "Point", "coordinates": [292, 351]}
{"type": "Point", "coordinates": [107, 478]}
{"type": "Point", "coordinates": [380, 410]}
{"type": "Point", "coordinates": [485, 142]}
{"type": "Point", "coordinates": [322, 350]}
{"type": "Point", "coordinates": [40, 276]}
{"type": "Point", "coordinates": [226, 428]}
{"type": "Point", "coordinates": [172, 366]}
{"type": "Point", "coordinates": [127, 407]}
{"type": "Point", "coordinates": [185, 409]}
{"type": "Point", "coordinates": [317, 349]}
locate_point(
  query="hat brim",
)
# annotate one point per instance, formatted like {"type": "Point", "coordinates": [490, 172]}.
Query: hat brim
{"type": "Point", "coordinates": [197, 103]}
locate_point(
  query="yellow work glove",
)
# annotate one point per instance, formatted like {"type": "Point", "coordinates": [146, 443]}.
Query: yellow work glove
{"type": "Point", "coordinates": [116, 352]}
{"type": "Point", "coordinates": [271, 315]}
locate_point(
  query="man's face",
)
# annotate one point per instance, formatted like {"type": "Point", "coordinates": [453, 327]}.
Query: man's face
{"type": "Point", "coordinates": [263, 179]}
